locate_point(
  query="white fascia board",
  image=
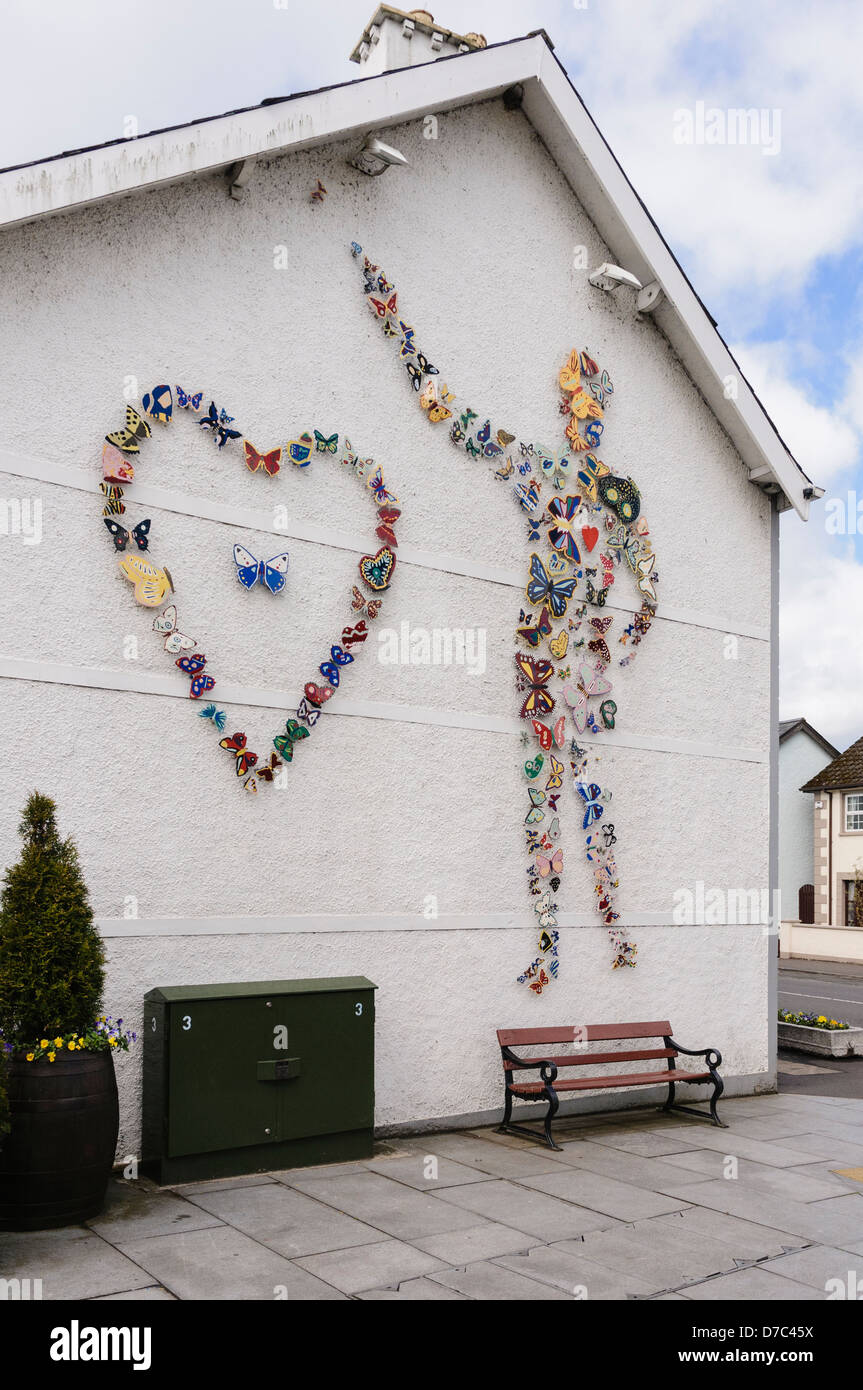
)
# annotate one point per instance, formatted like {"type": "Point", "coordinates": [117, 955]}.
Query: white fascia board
{"type": "Point", "coordinates": [112, 171]}
{"type": "Point", "coordinates": [574, 142]}
{"type": "Point", "coordinates": [551, 105]}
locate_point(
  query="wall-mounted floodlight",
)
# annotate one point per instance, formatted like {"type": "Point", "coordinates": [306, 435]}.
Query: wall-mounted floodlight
{"type": "Point", "coordinates": [611, 277]}
{"type": "Point", "coordinates": [375, 158]}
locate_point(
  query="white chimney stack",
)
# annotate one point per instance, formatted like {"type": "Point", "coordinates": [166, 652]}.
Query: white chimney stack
{"type": "Point", "coordinates": [402, 39]}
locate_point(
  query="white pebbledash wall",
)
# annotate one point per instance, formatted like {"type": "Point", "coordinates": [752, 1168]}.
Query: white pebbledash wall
{"type": "Point", "coordinates": [330, 876]}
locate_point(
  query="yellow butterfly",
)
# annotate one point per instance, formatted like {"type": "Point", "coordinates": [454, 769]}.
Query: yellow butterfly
{"type": "Point", "coordinates": [136, 428]}
{"type": "Point", "coordinates": [151, 584]}
{"type": "Point", "coordinates": [644, 568]}
{"type": "Point", "coordinates": [582, 406]}
{"type": "Point", "coordinates": [429, 401]}
{"type": "Point", "coordinates": [570, 373]}
{"type": "Point", "coordinates": [446, 394]}
{"type": "Point", "coordinates": [558, 645]}
{"type": "Point", "coordinates": [556, 778]}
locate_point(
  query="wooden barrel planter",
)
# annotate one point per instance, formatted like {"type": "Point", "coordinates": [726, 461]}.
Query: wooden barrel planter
{"type": "Point", "coordinates": [56, 1161]}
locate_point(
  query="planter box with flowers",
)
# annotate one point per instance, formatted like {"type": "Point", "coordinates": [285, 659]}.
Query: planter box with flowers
{"type": "Point", "coordinates": [56, 1158]}
{"type": "Point", "coordinates": [825, 1037]}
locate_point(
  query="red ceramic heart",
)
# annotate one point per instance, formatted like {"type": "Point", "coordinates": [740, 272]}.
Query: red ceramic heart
{"type": "Point", "coordinates": [590, 536]}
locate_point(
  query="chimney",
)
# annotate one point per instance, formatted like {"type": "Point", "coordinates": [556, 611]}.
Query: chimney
{"type": "Point", "coordinates": [402, 39]}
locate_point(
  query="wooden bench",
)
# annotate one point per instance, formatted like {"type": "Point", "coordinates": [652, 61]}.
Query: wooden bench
{"type": "Point", "coordinates": [547, 1065]}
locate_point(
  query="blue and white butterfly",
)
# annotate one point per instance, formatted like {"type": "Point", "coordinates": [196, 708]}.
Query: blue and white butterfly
{"type": "Point", "coordinates": [330, 669]}
{"type": "Point", "coordinates": [544, 588]}
{"type": "Point", "coordinates": [270, 573]}
{"type": "Point", "coordinates": [590, 792]}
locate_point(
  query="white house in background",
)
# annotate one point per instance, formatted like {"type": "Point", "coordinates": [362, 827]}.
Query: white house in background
{"type": "Point", "coordinates": [196, 255]}
{"type": "Point", "coordinates": [837, 791]}
{"type": "Point", "coordinates": [801, 754]}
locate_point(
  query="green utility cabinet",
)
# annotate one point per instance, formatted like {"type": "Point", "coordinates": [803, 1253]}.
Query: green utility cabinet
{"type": "Point", "coordinates": [241, 1078]}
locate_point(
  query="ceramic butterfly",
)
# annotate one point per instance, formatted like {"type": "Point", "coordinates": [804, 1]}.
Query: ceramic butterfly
{"type": "Point", "coordinates": [534, 768]}
{"type": "Point", "coordinates": [590, 794]}
{"type": "Point", "coordinates": [300, 450]}
{"type": "Point", "coordinates": [192, 666]}
{"type": "Point", "coordinates": [383, 307]}
{"type": "Point", "coordinates": [316, 694]}
{"type": "Point", "coordinates": [546, 735]}
{"type": "Point", "coordinates": [408, 346]}
{"type": "Point", "coordinates": [644, 570]}
{"type": "Point", "coordinates": [113, 503]}
{"type": "Point", "coordinates": [284, 743]}
{"type": "Point", "coordinates": [377, 486]}
{"type": "Point", "coordinates": [556, 777]}
{"type": "Point", "coordinates": [376, 571]}
{"type": "Point", "coordinates": [236, 744]}
{"type": "Point", "coordinates": [360, 604]}
{"type": "Point", "coordinates": [330, 669]}
{"type": "Point", "coordinates": [317, 195]}
{"type": "Point", "coordinates": [324, 445]}
{"type": "Point", "coordinates": [545, 911]}
{"type": "Point", "coordinates": [416, 371]}
{"type": "Point", "coordinates": [589, 474]}
{"type": "Point", "coordinates": [548, 864]}
{"type": "Point", "coordinates": [159, 403]}
{"type": "Point", "coordinates": [352, 636]}
{"type": "Point", "coordinates": [271, 462]}
{"type": "Point", "coordinates": [308, 713]}
{"type": "Point", "coordinates": [437, 411]}
{"type": "Point", "coordinates": [122, 537]}
{"type": "Point", "coordinates": [271, 573]}
{"type": "Point", "coordinates": [387, 517]}
{"type": "Point", "coordinates": [558, 645]}
{"type": "Point", "coordinates": [218, 716]}
{"type": "Point", "coordinates": [539, 983]}
{"type": "Point", "coordinates": [537, 673]}
{"type": "Point", "coordinates": [218, 422]}
{"type": "Point", "coordinates": [557, 468]}
{"type": "Point", "coordinates": [134, 430]}
{"type": "Point", "coordinates": [268, 770]}
{"type": "Point", "coordinates": [602, 389]}
{"type": "Point", "coordinates": [534, 635]}
{"type": "Point", "coordinates": [563, 511]}
{"type": "Point", "coordinates": [151, 584]}
{"type": "Point", "coordinates": [625, 544]}
{"type": "Point", "coordinates": [591, 682]}
{"type": "Point", "coordinates": [593, 433]}
{"type": "Point", "coordinates": [174, 641]}
{"type": "Point", "coordinates": [543, 586]}
{"type": "Point", "coordinates": [189, 401]}
{"type": "Point", "coordinates": [596, 596]}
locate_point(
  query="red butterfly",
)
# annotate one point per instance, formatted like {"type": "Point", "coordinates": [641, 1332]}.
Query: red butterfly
{"type": "Point", "coordinates": [538, 700]}
{"type": "Point", "coordinates": [352, 635]}
{"type": "Point", "coordinates": [268, 771]}
{"type": "Point", "coordinates": [192, 666]}
{"type": "Point", "coordinates": [384, 307]}
{"type": "Point", "coordinates": [387, 517]}
{"type": "Point", "coordinates": [534, 635]}
{"type": "Point", "coordinates": [545, 735]}
{"type": "Point", "coordinates": [317, 694]}
{"type": "Point", "coordinates": [600, 646]}
{"type": "Point", "coordinates": [270, 462]}
{"type": "Point", "coordinates": [537, 985]}
{"type": "Point", "coordinates": [601, 625]}
{"type": "Point", "coordinates": [237, 745]}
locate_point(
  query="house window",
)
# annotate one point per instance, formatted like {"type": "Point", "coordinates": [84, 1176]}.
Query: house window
{"type": "Point", "coordinates": [854, 811]}
{"type": "Point", "coordinates": [848, 893]}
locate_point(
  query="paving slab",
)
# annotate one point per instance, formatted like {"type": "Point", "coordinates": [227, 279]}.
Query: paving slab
{"type": "Point", "coordinates": [413, 1291]}
{"type": "Point", "coordinates": [827, 1222]}
{"type": "Point", "coordinates": [546, 1218]}
{"type": "Point", "coordinates": [606, 1195]}
{"type": "Point", "coordinates": [784, 1126]}
{"type": "Point", "coordinates": [136, 1209]}
{"type": "Point", "coordinates": [816, 1266]}
{"type": "Point", "coordinates": [827, 1146]}
{"type": "Point", "coordinates": [775, 1155]}
{"type": "Point", "coordinates": [781, 1182]}
{"type": "Point", "coordinates": [225, 1264]}
{"type": "Point", "coordinates": [288, 1221]}
{"type": "Point", "coordinates": [644, 1142]}
{"type": "Point", "coordinates": [570, 1271]}
{"type": "Point", "coordinates": [480, 1242]}
{"type": "Point", "coordinates": [593, 1157]}
{"type": "Point", "coordinates": [500, 1160]}
{"type": "Point", "coordinates": [754, 1285]}
{"type": "Point", "coordinates": [697, 1253]}
{"type": "Point", "coordinates": [491, 1281]}
{"type": "Point", "coordinates": [325, 1170]}
{"type": "Point", "coordinates": [413, 1167]}
{"type": "Point", "coordinates": [370, 1266]}
{"type": "Point", "coordinates": [72, 1263]}
{"type": "Point", "coordinates": [390, 1206]}
{"type": "Point", "coordinates": [749, 1240]}
{"type": "Point", "coordinates": [659, 1266]}
{"type": "Point", "coordinates": [188, 1189]}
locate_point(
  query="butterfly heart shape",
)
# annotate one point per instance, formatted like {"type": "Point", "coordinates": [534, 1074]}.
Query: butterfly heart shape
{"type": "Point", "coordinates": [153, 582]}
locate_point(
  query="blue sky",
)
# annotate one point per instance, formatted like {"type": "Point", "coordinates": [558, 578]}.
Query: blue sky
{"type": "Point", "coordinates": [773, 243]}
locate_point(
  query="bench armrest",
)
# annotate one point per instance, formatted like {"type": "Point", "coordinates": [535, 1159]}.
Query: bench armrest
{"type": "Point", "coordinates": [542, 1064]}
{"type": "Point", "coordinates": [712, 1057]}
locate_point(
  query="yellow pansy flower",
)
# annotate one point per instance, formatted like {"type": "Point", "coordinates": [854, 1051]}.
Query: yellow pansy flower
{"type": "Point", "coordinates": [44, 1042]}
{"type": "Point", "coordinates": [51, 1056]}
{"type": "Point", "coordinates": [30, 1056]}
{"type": "Point", "coordinates": [58, 1042]}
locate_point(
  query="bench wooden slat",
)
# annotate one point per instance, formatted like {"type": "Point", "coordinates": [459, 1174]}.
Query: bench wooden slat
{"type": "Point", "coordinates": [590, 1032]}
{"type": "Point", "coordinates": [585, 1058]}
{"type": "Point", "coordinates": [600, 1083]}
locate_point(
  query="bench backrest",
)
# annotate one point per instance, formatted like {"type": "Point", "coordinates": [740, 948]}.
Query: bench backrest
{"type": "Point", "coordinates": [581, 1034]}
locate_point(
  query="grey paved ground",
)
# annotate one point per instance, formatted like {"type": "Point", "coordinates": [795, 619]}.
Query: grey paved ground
{"type": "Point", "coordinates": [636, 1206]}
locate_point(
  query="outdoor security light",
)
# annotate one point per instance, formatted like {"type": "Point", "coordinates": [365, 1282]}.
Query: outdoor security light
{"type": "Point", "coordinates": [375, 158]}
{"type": "Point", "coordinates": [611, 277]}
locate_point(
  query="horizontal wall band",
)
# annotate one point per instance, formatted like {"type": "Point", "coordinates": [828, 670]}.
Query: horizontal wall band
{"type": "Point", "coordinates": [230, 693]}
{"type": "Point", "coordinates": [324, 923]}
{"type": "Point", "coordinates": [253, 519]}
